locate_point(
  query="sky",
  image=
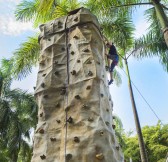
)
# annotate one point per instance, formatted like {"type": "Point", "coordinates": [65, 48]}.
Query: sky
{"type": "Point", "coordinates": [148, 75]}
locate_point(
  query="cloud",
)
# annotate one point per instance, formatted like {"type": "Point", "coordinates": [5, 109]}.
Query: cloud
{"type": "Point", "coordinates": [141, 28]}
{"type": "Point", "coordinates": [11, 1]}
{"type": "Point", "coordinates": [8, 23]}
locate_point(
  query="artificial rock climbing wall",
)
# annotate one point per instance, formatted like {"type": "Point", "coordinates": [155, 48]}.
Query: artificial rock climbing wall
{"type": "Point", "coordinates": [74, 118]}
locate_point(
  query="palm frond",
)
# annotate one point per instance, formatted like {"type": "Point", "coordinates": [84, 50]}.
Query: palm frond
{"type": "Point", "coordinates": [152, 45]}
{"type": "Point", "coordinates": [5, 76]}
{"type": "Point", "coordinates": [25, 57]}
{"type": "Point", "coordinates": [18, 116]}
{"type": "Point", "coordinates": [42, 11]}
{"type": "Point", "coordinates": [119, 30]}
{"type": "Point", "coordinates": [117, 78]}
{"type": "Point", "coordinates": [64, 7]}
{"type": "Point", "coordinates": [26, 10]}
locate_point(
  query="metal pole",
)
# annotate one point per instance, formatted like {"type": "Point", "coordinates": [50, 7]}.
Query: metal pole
{"type": "Point", "coordinates": [137, 124]}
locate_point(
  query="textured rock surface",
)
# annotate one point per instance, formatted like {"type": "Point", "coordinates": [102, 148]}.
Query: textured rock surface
{"type": "Point", "coordinates": [75, 120]}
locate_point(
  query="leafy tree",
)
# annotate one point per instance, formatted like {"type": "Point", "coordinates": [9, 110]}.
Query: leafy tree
{"type": "Point", "coordinates": [160, 7]}
{"type": "Point", "coordinates": [119, 131]}
{"type": "Point", "coordinates": [156, 142]}
{"type": "Point", "coordinates": [17, 117]}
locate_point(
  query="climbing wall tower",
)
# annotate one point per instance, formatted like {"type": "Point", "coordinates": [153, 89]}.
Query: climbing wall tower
{"type": "Point", "coordinates": [74, 118]}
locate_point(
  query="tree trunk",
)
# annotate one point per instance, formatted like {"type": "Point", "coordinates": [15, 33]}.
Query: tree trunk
{"type": "Point", "coordinates": [14, 157]}
{"type": "Point", "coordinates": [75, 120]}
{"type": "Point", "coordinates": [162, 17]}
{"type": "Point", "coordinates": [136, 118]}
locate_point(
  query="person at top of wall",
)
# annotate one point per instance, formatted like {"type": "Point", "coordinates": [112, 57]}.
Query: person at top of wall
{"type": "Point", "coordinates": [112, 55]}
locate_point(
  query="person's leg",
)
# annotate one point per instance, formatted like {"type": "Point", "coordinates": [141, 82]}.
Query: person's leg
{"type": "Point", "coordinates": [111, 78]}
{"type": "Point", "coordinates": [113, 64]}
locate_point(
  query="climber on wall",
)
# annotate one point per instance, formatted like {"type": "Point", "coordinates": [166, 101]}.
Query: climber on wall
{"type": "Point", "coordinates": [112, 55]}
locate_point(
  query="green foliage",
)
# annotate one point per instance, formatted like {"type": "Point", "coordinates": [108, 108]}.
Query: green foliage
{"type": "Point", "coordinates": [152, 44]}
{"type": "Point", "coordinates": [119, 131]}
{"type": "Point", "coordinates": [18, 115]}
{"type": "Point", "coordinates": [41, 11]}
{"type": "Point", "coordinates": [156, 143]}
{"type": "Point", "coordinates": [25, 57]}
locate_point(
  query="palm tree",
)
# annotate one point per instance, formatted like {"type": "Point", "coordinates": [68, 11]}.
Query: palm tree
{"type": "Point", "coordinates": [160, 7]}
{"type": "Point", "coordinates": [119, 131]}
{"type": "Point", "coordinates": [153, 43]}
{"type": "Point", "coordinates": [17, 117]}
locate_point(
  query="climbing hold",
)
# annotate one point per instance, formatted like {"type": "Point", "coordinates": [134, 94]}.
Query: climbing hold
{"type": "Point", "coordinates": [107, 123]}
{"type": "Point", "coordinates": [67, 108]}
{"type": "Point", "coordinates": [69, 45]}
{"type": "Point", "coordinates": [107, 110]}
{"type": "Point", "coordinates": [90, 119]}
{"type": "Point", "coordinates": [88, 87]}
{"type": "Point", "coordinates": [53, 139]}
{"type": "Point", "coordinates": [41, 27]}
{"type": "Point", "coordinates": [58, 105]}
{"type": "Point", "coordinates": [41, 131]}
{"type": "Point", "coordinates": [114, 126]}
{"type": "Point", "coordinates": [68, 156]}
{"type": "Point", "coordinates": [49, 39]}
{"type": "Point", "coordinates": [86, 50]}
{"type": "Point", "coordinates": [59, 24]}
{"type": "Point", "coordinates": [99, 156]}
{"type": "Point", "coordinates": [58, 121]}
{"type": "Point", "coordinates": [42, 63]}
{"type": "Point", "coordinates": [75, 37]}
{"type": "Point", "coordinates": [101, 133]}
{"type": "Point", "coordinates": [76, 19]}
{"type": "Point", "coordinates": [63, 49]}
{"type": "Point", "coordinates": [45, 96]}
{"type": "Point", "coordinates": [98, 62]}
{"type": "Point", "coordinates": [42, 85]}
{"type": "Point", "coordinates": [63, 91]}
{"type": "Point", "coordinates": [73, 72]}
{"type": "Point", "coordinates": [55, 62]}
{"type": "Point", "coordinates": [34, 88]}
{"type": "Point", "coordinates": [102, 95]}
{"type": "Point", "coordinates": [43, 157]}
{"type": "Point", "coordinates": [70, 120]}
{"type": "Point", "coordinates": [117, 147]}
{"type": "Point", "coordinates": [78, 61]}
{"type": "Point", "coordinates": [44, 75]}
{"type": "Point", "coordinates": [56, 73]}
{"type": "Point", "coordinates": [41, 114]}
{"type": "Point", "coordinates": [77, 97]}
{"type": "Point", "coordinates": [72, 52]}
{"type": "Point", "coordinates": [85, 106]}
{"type": "Point", "coordinates": [90, 73]}
{"type": "Point", "coordinates": [107, 68]}
{"type": "Point", "coordinates": [76, 139]}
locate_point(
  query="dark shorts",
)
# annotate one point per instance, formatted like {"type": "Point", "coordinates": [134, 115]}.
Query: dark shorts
{"type": "Point", "coordinates": [115, 58]}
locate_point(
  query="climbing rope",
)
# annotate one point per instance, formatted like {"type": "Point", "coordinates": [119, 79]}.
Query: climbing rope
{"type": "Point", "coordinates": [67, 83]}
{"type": "Point", "coordinates": [150, 107]}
